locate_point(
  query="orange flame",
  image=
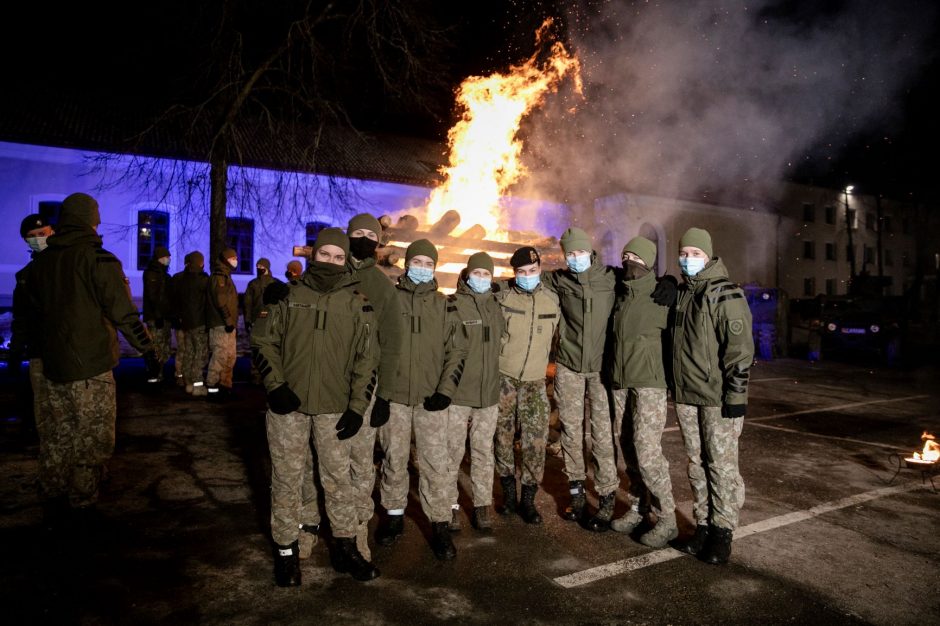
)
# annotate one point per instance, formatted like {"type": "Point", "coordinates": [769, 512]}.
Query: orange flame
{"type": "Point", "coordinates": [931, 452]}
{"type": "Point", "coordinates": [484, 148]}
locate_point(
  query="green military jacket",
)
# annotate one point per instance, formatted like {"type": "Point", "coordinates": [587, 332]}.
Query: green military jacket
{"type": "Point", "coordinates": [223, 297]}
{"type": "Point", "coordinates": [79, 292]}
{"type": "Point", "coordinates": [254, 297]}
{"type": "Point", "coordinates": [190, 297]}
{"type": "Point", "coordinates": [156, 292]}
{"type": "Point", "coordinates": [433, 347]}
{"type": "Point", "coordinates": [377, 287]}
{"type": "Point", "coordinates": [482, 320]}
{"type": "Point", "coordinates": [321, 345]}
{"type": "Point", "coordinates": [530, 321]}
{"type": "Point", "coordinates": [638, 326]}
{"type": "Point", "coordinates": [712, 346]}
{"type": "Point", "coordinates": [586, 300]}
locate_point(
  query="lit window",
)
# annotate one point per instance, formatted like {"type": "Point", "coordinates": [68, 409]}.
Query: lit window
{"type": "Point", "coordinates": [153, 230]}
{"type": "Point", "coordinates": [240, 237]}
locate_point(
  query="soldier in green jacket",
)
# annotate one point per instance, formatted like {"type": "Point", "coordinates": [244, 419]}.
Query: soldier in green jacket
{"type": "Point", "coordinates": [477, 401]}
{"type": "Point", "coordinates": [586, 294]}
{"type": "Point", "coordinates": [79, 291]}
{"type": "Point", "coordinates": [712, 353]}
{"type": "Point", "coordinates": [254, 292]}
{"type": "Point", "coordinates": [639, 382]}
{"type": "Point", "coordinates": [222, 319]}
{"type": "Point", "coordinates": [430, 366]}
{"type": "Point", "coordinates": [316, 352]}
{"type": "Point", "coordinates": [531, 316]}
{"type": "Point", "coordinates": [191, 304]}
{"type": "Point", "coordinates": [157, 311]}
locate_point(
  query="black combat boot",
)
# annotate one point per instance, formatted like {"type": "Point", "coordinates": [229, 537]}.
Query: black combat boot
{"type": "Point", "coordinates": [693, 544]}
{"type": "Point", "coordinates": [575, 510]}
{"type": "Point", "coordinates": [527, 506]}
{"type": "Point", "coordinates": [287, 565]}
{"type": "Point", "coordinates": [348, 560]}
{"type": "Point", "coordinates": [605, 512]}
{"type": "Point", "coordinates": [508, 484]}
{"type": "Point", "coordinates": [390, 529]}
{"type": "Point", "coordinates": [441, 543]}
{"type": "Point", "coordinates": [717, 548]}
{"type": "Point", "coordinates": [481, 519]}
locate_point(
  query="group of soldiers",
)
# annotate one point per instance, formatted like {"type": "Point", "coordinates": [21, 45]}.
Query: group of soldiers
{"type": "Point", "coordinates": [350, 361]}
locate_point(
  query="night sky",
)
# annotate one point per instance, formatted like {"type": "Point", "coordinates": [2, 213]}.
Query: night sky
{"type": "Point", "coordinates": [148, 55]}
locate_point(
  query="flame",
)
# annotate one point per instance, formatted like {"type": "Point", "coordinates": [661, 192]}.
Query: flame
{"type": "Point", "coordinates": [931, 451]}
{"type": "Point", "coordinates": [484, 148]}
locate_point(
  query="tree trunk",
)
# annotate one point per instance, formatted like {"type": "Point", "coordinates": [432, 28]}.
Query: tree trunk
{"type": "Point", "coordinates": [218, 175]}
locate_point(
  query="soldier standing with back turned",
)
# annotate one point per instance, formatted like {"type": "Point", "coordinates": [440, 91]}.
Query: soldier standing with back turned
{"type": "Point", "coordinates": [222, 320]}
{"type": "Point", "coordinates": [157, 310]}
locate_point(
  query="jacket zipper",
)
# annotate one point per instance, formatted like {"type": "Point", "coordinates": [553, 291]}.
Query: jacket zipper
{"type": "Point", "coordinates": [528, 347]}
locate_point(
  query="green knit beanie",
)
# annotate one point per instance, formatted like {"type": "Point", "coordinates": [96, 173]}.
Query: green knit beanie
{"type": "Point", "coordinates": [79, 209]}
{"type": "Point", "coordinates": [420, 247]}
{"type": "Point", "coordinates": [365, 222]}
{"type": "Point", "coordinates": [332, 237]}
{"type": "Point", "coordinates": [698, 238]}
{"type": "Point", "coordinates": [643, 248]}
{"type": "Point", "coordinates": [480, 261]}
{"type": "Point", "coordinates": [160, 251]}
{"type": "Point", "coordinates": [575, 239]}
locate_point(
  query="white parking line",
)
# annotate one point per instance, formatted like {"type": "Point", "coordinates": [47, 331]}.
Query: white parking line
{"type": "Point", "coordinates": [848, 439]}
{"type": "Point", "coordinates": [624, 566]}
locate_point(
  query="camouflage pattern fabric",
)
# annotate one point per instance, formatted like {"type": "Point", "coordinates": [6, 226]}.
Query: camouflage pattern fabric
{"type": "Point", "coordinates": [180, 337]}
{"type": "Point", "coordinates": [222, 361]}
{"type": "Point", "coordinates": [522, 405]}
{"type": "Point", "coordinates": [339, 493]}
{"type": "Point", "coordinates": [626, 451]}
{"type": "Point", "coordinates": [430, 429]}
{"type": "Point", "coordinates": [715, 472]}
{"type": "Point", "coordinates": [194, 354]}
{"type": "Point", "coordinates": [647, 414]}
{"type": "Point", "coordinates": [309, 493]}
{"type": "Point", "coordinates": [570, 393]}
{"type": "Point", "coordinates": [289, 439]}
{"type": "Point", "coordinates": [161, 340]}
{"type": "Point", "coordinates": [395, 440]}
{"type": "Point", "coordinates": [76, 437]}
{"type": "Point", "coordinates": [482, 424]}
{"type": "Point", "coordinates": [362, 466]}
{"type": "Point", "coordinates": [41, 412]}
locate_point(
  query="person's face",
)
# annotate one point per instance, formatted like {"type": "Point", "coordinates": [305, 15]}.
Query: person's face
{"type": "Point", "coordinates": [533, 269]}
{"type": "Point", "coordinates": [364, 232]}
{"type": "Point", "coordinates": [692, 252]}
{"type": "Point", "coordinates": [482, 273]}
{"type": "Point", "coordinates": [573, 253]}
{"type": "Point", "coordinates": [629, 256]}
{"type": "Point", "coordinates": [330, 254]}
{"type": "Point", "coordinates": [422, 261]}
{"type": "Point", "coordinates": [45, 231]}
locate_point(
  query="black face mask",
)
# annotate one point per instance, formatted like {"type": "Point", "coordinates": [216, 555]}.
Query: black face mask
{"type": "Point", "coordinates": [325, 275]}
{"type": "Point", "coordinates": [260, 271]}
{"type": "Point", "coordinates": [362, 247]}
{"type": "Point", "coordinates": [635, 270]}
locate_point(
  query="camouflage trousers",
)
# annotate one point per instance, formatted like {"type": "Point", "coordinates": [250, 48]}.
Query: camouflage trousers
{"type": "Point", "coordinates": [289, 443]}
{"type": "Point", "coordinates": [180, 337]}
{"type": "Point", "coordinates": [222, 361]}
{"type": "Point", "coordinates": [482, 424]}
{"type": "Point", "coordinates": [523, 405]}
{"type": "Point", "coordinates": [642, 413]}
{"type": "Point", "coordinates": [193, 355]}
{"type": "Point", "coordinates": [161, 341]}
{"type": "Point", "coordinates": [76, 437]}
{"type": "Point", "coordinates": [717, 486]}
{"type": "Point", "coordinates": [570, 390]}
{"type": "Point", "coordinates": [430, 434]}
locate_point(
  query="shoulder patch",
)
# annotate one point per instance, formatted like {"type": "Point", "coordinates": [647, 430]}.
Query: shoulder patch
{"type": "Point", "coordinates": [736, 327]}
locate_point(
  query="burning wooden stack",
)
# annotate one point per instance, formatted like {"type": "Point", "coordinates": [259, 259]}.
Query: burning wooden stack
{"type": "Point", "coordinates": [453, 250]}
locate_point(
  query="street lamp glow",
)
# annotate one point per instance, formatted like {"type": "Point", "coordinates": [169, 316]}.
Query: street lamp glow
{"type": "Point", "coordinates": [849, 188]}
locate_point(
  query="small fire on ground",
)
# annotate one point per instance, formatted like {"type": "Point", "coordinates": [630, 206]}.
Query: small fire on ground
{"type": "Point", "coordinates": [930, 453]}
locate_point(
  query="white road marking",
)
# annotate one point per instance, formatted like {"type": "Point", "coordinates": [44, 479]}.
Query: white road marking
{"type": "Point", "coordinates": [632, 564]}
{"type": "Point", "coordinates": [848, 439]}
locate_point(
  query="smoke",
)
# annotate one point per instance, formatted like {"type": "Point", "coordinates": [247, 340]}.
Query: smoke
{"type": "Point", "coordinates": [694, 99]}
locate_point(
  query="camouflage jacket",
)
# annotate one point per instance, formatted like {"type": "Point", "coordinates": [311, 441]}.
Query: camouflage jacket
{"type": "Point", "coordinates": [530, 321]}
{"type": "Point", "coordinates": [380, 291]}
{"type": "Point", "coordinates": [223, 298]}
{"type": "Point", "coordinates": [482, 320]}
{"type": "Point", "coordinates": [638, 327]}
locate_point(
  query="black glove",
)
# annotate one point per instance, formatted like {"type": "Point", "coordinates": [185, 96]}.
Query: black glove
{"type": "Point", "coordinates": [275, 292]}
{"type": "Point", "coordinates": [229, 329]}
{"type": "Point", "coordinates": [733, 410]}
{"type": "Point", "coordinates": [348, 425]}
{"type": "Point", "coordinates": [667, 289]}
{"type": "Point", "coordinates": [283, 400]}
{"type": "Point", "coordinates": [380, 413]}
{"type": "Point", "coordinates": [436, 402]}
{"type": "Point", "coordinates": [152, 364]}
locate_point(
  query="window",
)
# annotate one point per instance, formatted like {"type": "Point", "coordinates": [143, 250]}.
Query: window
{"type": "Point", "coordinates": [50, 210]}
{"type": "Point", "coordinates": [886, 224]}
{"type": "Point", "coordinates": [240, 237]}
{"type": "Point", "coordinates": [850, 253]}
{"type": "Point", "coordinates": [889, 258]}
{"type": "Point", "coordinates": [830, 214]}
{"type": "Point", "coordinates": [809, 212]}
{"type": "Point", "coordinates": [868, 255]}
{"type": "Point", "coordinates": [830, 286]}
{"type": "Point", "coordinates": [870, 221]}
{"type": "Point", "coordinates": [830, 252]}
{"type": "Point", "coordinates": [153, 229]}
{"type": "Point", "coordinates": [809, 287]}
{"type": "Point", "coordinates": [809, 249]}
{"type": "Point", "coordinates": [313, 229]}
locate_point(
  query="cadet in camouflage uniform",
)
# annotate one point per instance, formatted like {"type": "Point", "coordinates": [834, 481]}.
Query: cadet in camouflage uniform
{"type": "Point", "coordinates": [531, 316]}
{"type": "Point", "coordinates": [477, 399]}
{"type": "Point", "coordinates": [157, 310]}
{"type": "Point", "coordinates": [429, 370]}
{"type": "Point", "coordinates": [586, 294]}
{"type": "Point", "coordinates": [254, 301]}
{"type": "Point", "coordinates": [178, 333]}
{"type": "Point", "coordinates": [222, 318]}
{"type": "Point", "coordinates": [712, 355]}
{"type": "Point", "coordinates": [191, 301]}
{"type": "Point", "coordinates": [639, 382]}
{"type": "Point", "coordinates": [315, 350]}
{"type": "Point", "coordinates": [79, 292]}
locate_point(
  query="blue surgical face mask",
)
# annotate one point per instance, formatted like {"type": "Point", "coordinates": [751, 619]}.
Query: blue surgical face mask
{"type": "Point", "coordinates": [692, 265]}
{"type": "Point", "coordinates": [529, 283]}
{"type": "Point", "coordinates": [479, 285]}
{"type": "Point", "coordinates": [578, 263]}
{"type": "Point", "coordinates": [419, 275]}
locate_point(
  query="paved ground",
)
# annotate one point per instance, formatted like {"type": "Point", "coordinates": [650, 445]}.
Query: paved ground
{"type": "Point", "coordinates": [826, 536]}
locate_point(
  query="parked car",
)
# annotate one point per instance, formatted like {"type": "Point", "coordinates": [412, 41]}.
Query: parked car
{"type": "Point", "coordinates": [862, 326]}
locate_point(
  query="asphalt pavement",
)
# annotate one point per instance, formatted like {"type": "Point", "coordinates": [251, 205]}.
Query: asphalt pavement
{"type": "Point", "coordinates": [830, 533]}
